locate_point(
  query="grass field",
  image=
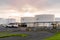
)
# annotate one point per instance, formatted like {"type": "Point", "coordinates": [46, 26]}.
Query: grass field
{"type": "Point", "coordinates": [6, 34]}
{"type": "Point", "coordinates": [54, 37]}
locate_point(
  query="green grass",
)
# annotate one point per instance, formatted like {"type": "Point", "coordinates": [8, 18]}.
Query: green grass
{"type": "Point", "coordinates": [54, 37]}
{"type": "Point", "coordinates": [6, 34]}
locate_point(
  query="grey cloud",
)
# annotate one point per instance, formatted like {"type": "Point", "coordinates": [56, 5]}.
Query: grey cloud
{"type": "Point", "coordinates": [53, 3]}
{"type": "Point", "coordinates": [19, 3]}
{"type": "Point", "coordinates": [42, 4]}
{"type": "Point", "coordinates": [3, 2]}
{"type": "Point", "coordinates": [37, 3]}
{"type": "Point", "coordinates": [12, 2]}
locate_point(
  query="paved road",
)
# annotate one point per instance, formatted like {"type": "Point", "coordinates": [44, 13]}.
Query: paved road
{"type": "Point", "coordinates": [33, 36]}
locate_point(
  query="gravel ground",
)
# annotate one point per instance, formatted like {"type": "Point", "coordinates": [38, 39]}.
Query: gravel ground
{"type": "Point", "coordinates": [32, 36]}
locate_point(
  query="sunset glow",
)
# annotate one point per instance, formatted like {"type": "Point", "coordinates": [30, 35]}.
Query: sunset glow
{"type": "Point", "coordinates": [28, 8]}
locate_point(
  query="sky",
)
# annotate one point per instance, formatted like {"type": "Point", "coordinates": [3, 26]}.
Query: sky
{"type": "Point", "coordinates": [22, 8]}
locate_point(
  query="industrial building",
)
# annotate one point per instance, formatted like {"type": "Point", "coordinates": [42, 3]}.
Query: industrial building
{"type": "Point", "coordinates": [44, 19]}
{"type": "Point", "coordinates": [57, 20]}
{"type": "Point", "coordinates": [2, 21]}
{"type": "Point", "coordinates": [7, 21]}
{"type": "Point", "coordinates": [10, 20]}
{"type": "Point", "coordinates": [28, 20]}
{"type": "Point", "coordinates": [39, 20]}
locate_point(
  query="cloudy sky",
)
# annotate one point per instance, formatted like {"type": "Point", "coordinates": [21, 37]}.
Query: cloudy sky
{"type": "Point", "coordinates": [20, 8]}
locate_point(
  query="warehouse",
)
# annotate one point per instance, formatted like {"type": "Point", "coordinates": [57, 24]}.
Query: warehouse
{"type": "Point", "coordinates": [45, 19]}
{"type": "Point", "coordinates": [28, 20]}
{"type": "Point", "coordinates": [39, 20]}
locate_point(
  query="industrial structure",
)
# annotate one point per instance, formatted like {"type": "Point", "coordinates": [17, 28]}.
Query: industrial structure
{"type": "Point", "coordinates": [39, 20]}
{"type": "Point", "coordinates": [28, 20]}
{"type": "Point", "coordinates": [7, 21]}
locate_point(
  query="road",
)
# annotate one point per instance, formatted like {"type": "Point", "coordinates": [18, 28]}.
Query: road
{"type": "Point", "coordinates": [32, 36]}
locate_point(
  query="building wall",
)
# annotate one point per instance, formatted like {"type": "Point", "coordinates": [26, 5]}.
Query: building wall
{"type": "Point", "coordinates": [44, 24]}
{"type": "Point", "coordinates": [7, 21]}
{"type": "Point", "coordinates": [38, 18]}
{"type": "Point", "coordinates": [45, 18]}
{"type": "Point", "coordinates": [30, 25]}
{"type": "Point", "coordinates": [10, 20]}
{"type": "Point", "coordinates": [58, 24]}
{"type": "Point", "coordinates": [57, 19]}
{"type": "Point", "coordinates": [27, 19]}
{"type": "Point", "coordinates": [2, 21]}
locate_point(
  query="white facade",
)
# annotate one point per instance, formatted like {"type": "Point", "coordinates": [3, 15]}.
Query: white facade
{"type": "Point", "coordinates": [39, 18]}
{"type": "Point", "coordinates": [27, 19]}
{"type": "Point", "coordinates": [57, 19]}
{"type": "Point", "coordinates": [10, 20]}
{"type": "Point", "coordinates": [45, 18]}
{"type": "Point", "coordinates": [2, 21]}
{"type": "Point", "coordinates": [7, 21]}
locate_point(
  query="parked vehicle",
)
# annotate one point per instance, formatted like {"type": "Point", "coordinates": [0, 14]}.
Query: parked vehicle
{"type": "Point", "coordinates": [12, 26]}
